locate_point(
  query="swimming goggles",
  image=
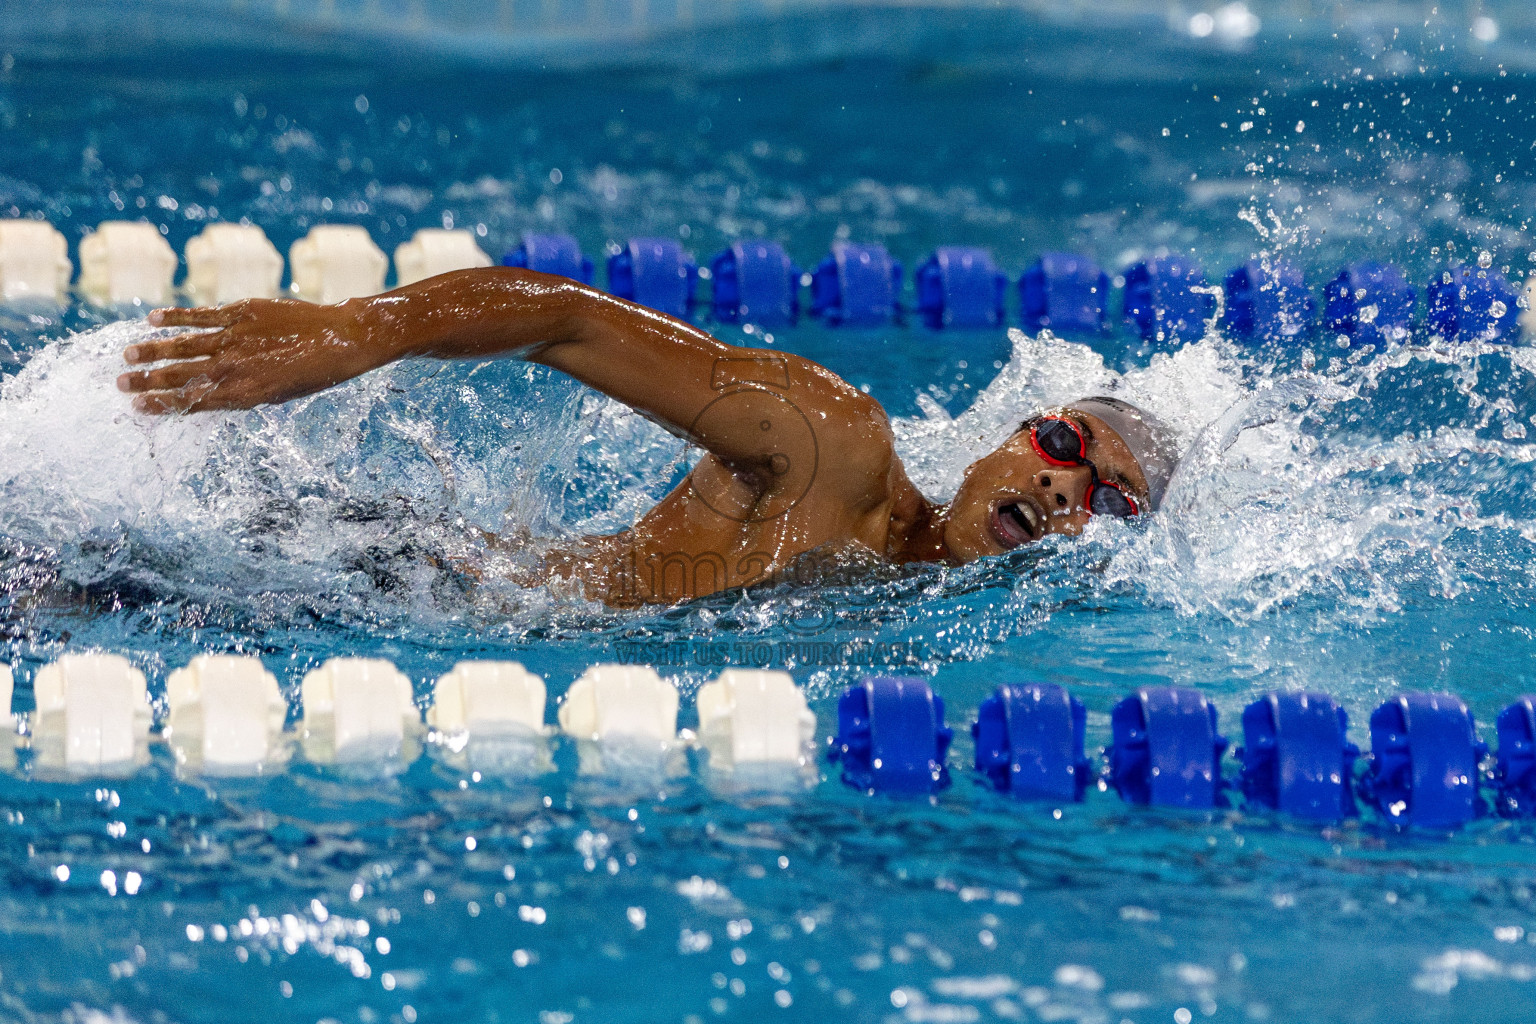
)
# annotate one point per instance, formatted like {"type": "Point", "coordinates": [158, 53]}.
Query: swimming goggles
{"type": "Point", "coordinates": [1061, 443]}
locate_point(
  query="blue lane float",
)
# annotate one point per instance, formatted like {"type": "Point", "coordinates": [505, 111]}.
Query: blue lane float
{"type": "Point", "coordinates": [1065, 293]}
{"type": "Point", "coordinates": [1162, 304]}
{"type": "Point", "coordinates": [551, 254]}
{"type": "Point", "coordinates": [1296, 756]}
{"type": "Point", "coordinates": [1424, 761]}
{"type": "Point", "coordinates": [891, 736]}
{"type": "Point", "coordinates": [1514, 773]}
{"type": "Point", "coordinates": [1472, 304]}
{"type": "Point", "coordinates": [654, 272]}
{"type": "Point", "coordinates": [1370, 303]}
{"type": "Point", "coordinates": [1268, 300]}
{"type": "Point", "coordinates": [1029, 742]}
{"type": "Point", "coordinates": [857, 285]}
{"type": "Point", "coordinates": [1166, 750]}
{"type": "Point", "coordinates": [960, 287]}
{"type": "Point", "coordinates": [755, 282]}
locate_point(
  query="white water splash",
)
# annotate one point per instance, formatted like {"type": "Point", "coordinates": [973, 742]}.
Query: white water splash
{"type": "Point", "coordinates": [1186, 388]}
{"type": "Point", "coordinates": [76, 456]}
{"type": "Point", "coordinates": [1285, 495]}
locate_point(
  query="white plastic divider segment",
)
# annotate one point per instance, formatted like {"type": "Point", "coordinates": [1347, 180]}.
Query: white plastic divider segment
{"type": "Point", "coordinates": [361, 705]}
{"type": "Point", "coordinates": [488, 698]}
{"type": "Point", "coordinates": [125, 261]}
{"type": "Point", "coordinates": [34, 260]}
{"type": "Point", "coordinates": [337, 262]}
{"type": "Point", "coordinates": [100, 705]}
{"type": "Point", "coordinates": [226, 710]}
{"type": "Point", "coordinates": [7, 720]}
{"type": "Point", "coordinates": [747, 716]}
{"type": "Point", "coordinates": [229, 262]}
{"type": "Point", "coordinates": [1528, 314]}
{"type": "Point", "coordinates": [620, 701]}
{"type": "Point", "coordinates": [433, 251]}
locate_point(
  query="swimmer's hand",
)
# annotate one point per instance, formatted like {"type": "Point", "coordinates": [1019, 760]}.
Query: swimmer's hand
{"type": "Point", "coordinates": [258, 351]}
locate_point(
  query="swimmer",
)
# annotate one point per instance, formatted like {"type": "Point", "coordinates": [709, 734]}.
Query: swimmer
{"type": "Point", "coordinates": [798, 464]}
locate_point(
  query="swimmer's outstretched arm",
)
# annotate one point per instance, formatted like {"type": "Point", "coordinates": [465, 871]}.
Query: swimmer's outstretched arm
{"type": "Point", "coordinates": [262, 351]}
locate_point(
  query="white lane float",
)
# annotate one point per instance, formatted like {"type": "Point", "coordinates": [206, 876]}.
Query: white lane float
{"type": "Point", "coordinates": [7, 720]}
{"type": "Point", "coordinates": [1528, 314]}
{"type": "Point", "coordinates": [126, 261]}
{"type": "Point", "coordinates": [488, 698]}
{"type": "Point", "coordinates": [358, 709]}
{"type": "Point", "coordinates": [226, 714]}
{"type": "Point", "coordinates": [93, 713]}
{"type": "Point", "coordinates": [625, 716]}
{"type": "Point", "coordinates": [433, 251]}
{"type": "Point", "coordinates": [34, 261]}
{"type": "Point", "coordinates": [749, 717]}
{"type": "Point", "coordinates": [229, 262]}
{"type": "Point", "coordinates": [492, 713]}
{"type": "Point", "coordinates": [337, 262]}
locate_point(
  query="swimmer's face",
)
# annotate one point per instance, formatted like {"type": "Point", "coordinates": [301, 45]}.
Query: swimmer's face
{"type": "Point", "coordinates": [1014, 496]}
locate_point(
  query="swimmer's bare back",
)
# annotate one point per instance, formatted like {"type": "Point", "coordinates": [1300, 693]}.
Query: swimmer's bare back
{"type": "Point", "coordinates": [796, 460]}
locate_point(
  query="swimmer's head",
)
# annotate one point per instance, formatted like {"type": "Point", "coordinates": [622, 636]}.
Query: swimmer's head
{"type": "Point", "coordinates": [1045, 477]}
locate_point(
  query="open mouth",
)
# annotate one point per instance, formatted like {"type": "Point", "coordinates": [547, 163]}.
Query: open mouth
{"type": "Point", "coordinates": [1016, 522]}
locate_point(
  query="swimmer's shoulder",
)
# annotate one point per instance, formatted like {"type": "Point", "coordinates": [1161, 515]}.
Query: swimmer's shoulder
{"type": "Point", "coordinates": [856, 448]}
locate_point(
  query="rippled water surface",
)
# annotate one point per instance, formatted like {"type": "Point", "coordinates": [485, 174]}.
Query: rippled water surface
{"type": "Point", "coordinates": [1356, 522]}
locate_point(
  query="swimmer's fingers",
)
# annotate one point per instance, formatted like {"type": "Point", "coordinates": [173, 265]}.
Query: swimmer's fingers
{"type": "Point", "coordinates": [165, 378]}
{"type": "Point", "coordinates": [201, 316]}
{"type": "Point", "coordinates": [192, 398]}
{"type": "Point", "coordinates": [204, 385]}
{"type": "Point", "coordinates": [186, 400]}
{"type": "Point", "coordinates": [186, 346]}
{"type": "Point", "coordinates": [159, 403]}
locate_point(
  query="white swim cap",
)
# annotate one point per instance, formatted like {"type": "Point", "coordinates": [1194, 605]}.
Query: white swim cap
{"type": "Point", "coordinates": [1152, 443]}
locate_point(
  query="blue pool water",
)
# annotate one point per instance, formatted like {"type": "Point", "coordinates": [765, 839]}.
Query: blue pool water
{"type": "Point", "coordinates": [1372, 534]}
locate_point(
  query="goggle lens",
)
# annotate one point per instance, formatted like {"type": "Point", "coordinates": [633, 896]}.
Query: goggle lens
{"type": "Point", "coordinates": [1110, 500]}
{"type": "Point", "coordinates": [1060, 441]}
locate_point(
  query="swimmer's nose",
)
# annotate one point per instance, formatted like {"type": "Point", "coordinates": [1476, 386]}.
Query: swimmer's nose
{"type": "Point", "coordinates": [1063, 490]}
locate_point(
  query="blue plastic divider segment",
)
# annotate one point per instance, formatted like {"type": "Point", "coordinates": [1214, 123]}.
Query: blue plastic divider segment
{"type": "Point", "coordinates": [1471, 304]}
{"type": "Point", "coordinates": [756, 282]}
{"type": "Point", "coordinates": [1029, 742]}
{"type": "Point", "coordinates": [1166, 748]}
{"type": "Point", "coordinates": [551, 254]}
{"type": "Point", "coordinates": [1370, 303]}
{"type": "Point", "coordinates": [1065, 293]}
{"type": "Point", "coordinates": [1161, 303]}
{"type": "Point", "coordinates": [1297, 757]}
{"type": "Point", "coordinates": [959, 286]}
{"type": "Point", "coordinates": [858, 285]}
{"type": "Point", "coordinates": [1424, 761]}
{"type": "Point", "coordinates": [654, 272]}
{"type": "Point", "coordinates": [1268, 300]}
{"type": "Point", "coordinates": [1515, 772]}
{"type": "Point", "coordinates": [891, 735]}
